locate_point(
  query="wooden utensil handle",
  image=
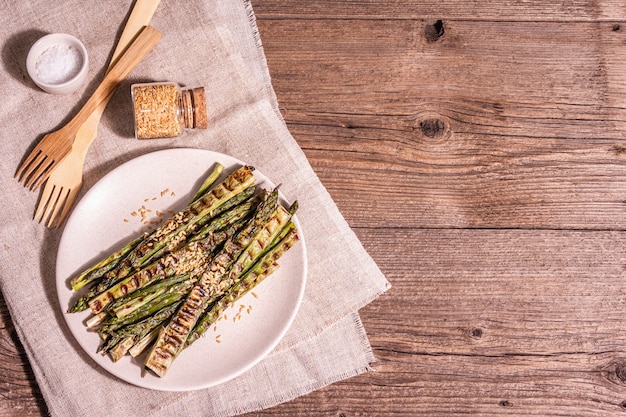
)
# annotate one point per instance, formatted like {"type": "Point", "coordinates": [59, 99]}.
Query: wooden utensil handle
{"type": "Point", "coordinates": [143, 43]}
{"type": "Point", "coordinates": [139, 17]}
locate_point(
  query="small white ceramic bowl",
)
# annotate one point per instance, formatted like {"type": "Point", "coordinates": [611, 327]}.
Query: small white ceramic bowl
{"type": "Point", "coordinates": [58, 63]}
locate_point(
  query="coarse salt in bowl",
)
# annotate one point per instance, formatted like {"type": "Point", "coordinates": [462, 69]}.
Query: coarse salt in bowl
{"type": "Point", "coordinates": [58, 63]}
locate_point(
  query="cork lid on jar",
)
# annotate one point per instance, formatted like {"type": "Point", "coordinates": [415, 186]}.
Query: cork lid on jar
{"type": "Point", "coordinates": [199, 105]}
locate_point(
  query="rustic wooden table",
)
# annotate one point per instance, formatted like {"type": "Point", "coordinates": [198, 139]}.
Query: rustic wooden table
{"type": "Point", "coordinates": [478, 149]}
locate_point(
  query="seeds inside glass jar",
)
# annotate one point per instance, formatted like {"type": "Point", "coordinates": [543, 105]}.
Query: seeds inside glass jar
{"type": "Point", "coordinates": [156, 110]}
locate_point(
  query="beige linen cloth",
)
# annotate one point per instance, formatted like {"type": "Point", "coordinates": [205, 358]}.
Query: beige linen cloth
{"type": "Point", "coordinates": [210, 43]}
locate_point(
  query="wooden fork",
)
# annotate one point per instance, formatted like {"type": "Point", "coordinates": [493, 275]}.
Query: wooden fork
{"type": "Point", "coordinates": [65, 180]}
{"type": "Point", "coordinates": [56, 145]}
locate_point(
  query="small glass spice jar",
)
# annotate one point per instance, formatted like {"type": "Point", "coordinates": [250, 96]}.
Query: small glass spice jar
{"type": "Point", "coordinates": [165, 110]}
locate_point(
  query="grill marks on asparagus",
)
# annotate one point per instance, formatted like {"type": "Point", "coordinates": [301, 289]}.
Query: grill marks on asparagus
{"type": "Point", "coordinates": [174, 232]}
{"type": "Point", "coordinates": [171, 341]}
{"type": "Point", "coordinates": [262, 267]}
{"type": "Point", "coordinates": [190, 259]}
{"type": "Point", "coordinates": [104, 266]}
{"type": "Point", "coordinates": [170, 285]}
{"type": "Point", "coordinates": [236, 188]}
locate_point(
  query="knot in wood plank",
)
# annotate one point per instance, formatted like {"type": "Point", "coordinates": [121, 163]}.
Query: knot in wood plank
{"type": "Point", "coordinates": [620, 372]}
{"type": "Point", "coordinates": [433, 126]}
{"type": "Point", "coordinates": [477, 333]}
{"type": "Point", "coordinates": [434, 31]}
{"type": "Point", "coordinates": [615, 372]}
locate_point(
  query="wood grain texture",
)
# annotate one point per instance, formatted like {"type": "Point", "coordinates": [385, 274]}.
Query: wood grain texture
{"type": "Point", "coordinates": [495, 125]}
{"type": "Point", "coordinates": [479, 152]}
{"type": "Point", "coordinates": [19, 395]}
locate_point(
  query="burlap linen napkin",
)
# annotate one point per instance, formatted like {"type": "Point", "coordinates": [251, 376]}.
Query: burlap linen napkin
{"type": "Point", "coordinates": [207, 43]}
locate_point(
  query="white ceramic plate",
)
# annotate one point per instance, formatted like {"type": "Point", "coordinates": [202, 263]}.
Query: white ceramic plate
{"type": "Point", "coordinates": [102, 222]}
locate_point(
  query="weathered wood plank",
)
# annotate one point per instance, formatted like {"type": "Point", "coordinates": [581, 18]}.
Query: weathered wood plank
{"type": "Point", "coordinates": [19, 396]}
{"type": "Point", "coordinates": [502, 124]}
{"type": "Point", "coordinates": [511, 78]}
{"type": "Point", "coordinates": [500, 292]}
{"type": "Point", "coordinates": [490, 322]}
{"type": "Point", "coordinates": [492, 10]}
{"type": "Point", "coordinates": [521, 62]}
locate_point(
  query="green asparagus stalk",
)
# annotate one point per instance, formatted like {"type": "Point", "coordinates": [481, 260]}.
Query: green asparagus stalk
{"type": "Point", "coordinates": [208, 182]}
{"type": "Point", "coordinates": [176, 229]}
{"type": "Point", "coordinates": [213, 220]}
{"type": "Point", "coordinates": [136, 331]}
{"type": "Point", "coordinates": [235, 215]}
{"type": "Point", "coordinates": [131, 302]}
{"type": "Point", "coordinates": [263, 240]}
{"type": "Point", "coordinates": [190, 259]}
{"type": "Point", "coordinates": [241, 181]}
{"type": "Point", "coordinates": [176, 293]}
{"type": "Point", "coordinates": [264, 266]}
{"type": "Point", "coordinates": [99, 269]}
{"type": "Point", "coordinates": [172, 338]}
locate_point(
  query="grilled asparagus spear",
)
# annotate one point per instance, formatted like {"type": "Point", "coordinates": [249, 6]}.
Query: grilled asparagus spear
{"type": "Point", "coordinates": [172, 337]}
{"type": "Point", "coordinates": [131, 302]}
{"type": "Point", "coordinates": [99, 269]}
{"type": "Point", "coordinates": [175, 231]}
{"type": "Point", "coordinates": [192, 257]}
{"type": "Point", "coordinates": [179, 227]}
{"type": "Point", "coordinates": [176, 293]}
{"type": "Point", "coordinates": [119, 342]}
{"type": "Point", "coordinates": [252, 277]}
